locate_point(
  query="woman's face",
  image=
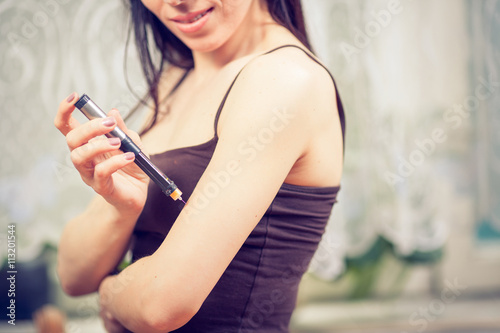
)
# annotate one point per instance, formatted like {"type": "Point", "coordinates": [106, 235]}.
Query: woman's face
{"type": "Point", "coordinates": [203, 25]}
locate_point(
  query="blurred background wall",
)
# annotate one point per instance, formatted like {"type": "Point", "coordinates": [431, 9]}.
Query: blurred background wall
{"type": "Point", "coordinates": [414, 242]}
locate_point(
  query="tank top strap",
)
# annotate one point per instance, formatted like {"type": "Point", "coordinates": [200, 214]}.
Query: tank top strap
{"type": "Point", "coordinates": [339, 102]}
{"type": "Point", "coordinates": [221, 105]}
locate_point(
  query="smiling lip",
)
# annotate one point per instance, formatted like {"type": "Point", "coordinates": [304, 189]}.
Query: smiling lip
{"type": "Point", "coordinates": [193, 21]}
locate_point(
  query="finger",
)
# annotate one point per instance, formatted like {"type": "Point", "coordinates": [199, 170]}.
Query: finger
{"type": "Point", "coordinates": [91, 129]}
{"type": "Point", "coordinates": [83, 156]}
{"type": "Point", "coordinates": [63, 120]}
{"type": "Point", "coordinates": [103, 183]}
{"type": "Point", "coordinates": [121, 124]}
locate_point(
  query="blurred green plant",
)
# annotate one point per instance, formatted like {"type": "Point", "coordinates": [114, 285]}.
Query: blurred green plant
{"type": "Point", "coordinates": [365, 270]}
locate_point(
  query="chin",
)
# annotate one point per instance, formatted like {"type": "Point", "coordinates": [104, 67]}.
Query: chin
{"type": "Point", "coordinates": [204, 44]}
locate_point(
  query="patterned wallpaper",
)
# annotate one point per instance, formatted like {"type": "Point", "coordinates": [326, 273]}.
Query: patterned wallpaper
{"type": "Point", "coordinates": [49, 49]}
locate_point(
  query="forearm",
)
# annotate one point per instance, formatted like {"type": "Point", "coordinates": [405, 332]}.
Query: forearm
{"type": "Point", "coordinates": [91, 246]}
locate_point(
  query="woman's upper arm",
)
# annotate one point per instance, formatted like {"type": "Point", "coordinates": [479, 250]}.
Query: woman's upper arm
{"type": "Point", "coordinates": [264, 129]}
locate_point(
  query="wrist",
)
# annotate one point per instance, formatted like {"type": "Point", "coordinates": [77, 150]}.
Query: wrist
{"type": "Point", "coordinates": [125, 213]}
{"type": "Point", "coordinates": [106, 294]}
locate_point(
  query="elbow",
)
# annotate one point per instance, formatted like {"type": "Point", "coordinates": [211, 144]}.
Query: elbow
{"type": "Point", "coordinates": [73, 286]}
{"type": "Point", "coordinates": [163, 324]}
{"type": "Point", "coordinates": [161, 317]}
{"type": "Point", "coordinates": [71, 290]}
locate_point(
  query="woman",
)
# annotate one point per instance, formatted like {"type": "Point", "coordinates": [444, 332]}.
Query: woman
{"type": "Point", "coordinates": [249, 126]}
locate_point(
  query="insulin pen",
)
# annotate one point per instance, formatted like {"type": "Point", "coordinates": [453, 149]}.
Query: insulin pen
{"type": "Point", "coordinates": [92, 111]}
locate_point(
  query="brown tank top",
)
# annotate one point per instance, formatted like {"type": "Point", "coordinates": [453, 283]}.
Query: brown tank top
{"type": "Point", "coordinates": [258, 290]}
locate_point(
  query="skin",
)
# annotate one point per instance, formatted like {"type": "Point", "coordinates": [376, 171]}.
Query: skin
{"type": "Point", "coordinates": [306, 150]}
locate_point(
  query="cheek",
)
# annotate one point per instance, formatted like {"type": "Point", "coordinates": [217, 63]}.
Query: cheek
{"type": "Point", "coordinates": [232, 14]}
{"type": "Point", "coordinates": [160, 10]}
{"type": "Point", "coordinates": [234, 8]}
{"type": "Point", "coordinates": [153, 5]}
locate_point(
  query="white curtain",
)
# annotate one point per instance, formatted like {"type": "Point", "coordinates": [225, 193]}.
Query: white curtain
{"type": "Point", "coordinates": [404, 72]}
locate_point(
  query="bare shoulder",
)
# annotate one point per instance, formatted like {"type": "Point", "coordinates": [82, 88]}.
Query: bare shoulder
{"type": "Point", "coordinates": [286, 78]}
{"type": "Point", "coordinates": [290, 70]}
{"type": "Point", "coordinates": [290, 81]}
{"type": "Point", "coordinates": [298, 63]}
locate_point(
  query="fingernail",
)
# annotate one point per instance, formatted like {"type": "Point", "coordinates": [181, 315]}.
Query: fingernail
{"type": "Point", "coordinates": [129, 156]}
{"type": "Point", "coordinates": [109, 121]}
{"type": "Point", "coordinates": [70, 98]}
{"type": "Point", "coordinates": [114, 141]}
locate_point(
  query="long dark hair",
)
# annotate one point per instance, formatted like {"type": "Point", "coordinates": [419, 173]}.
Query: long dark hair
{"type": "Point", "coordinates": [145, 26]}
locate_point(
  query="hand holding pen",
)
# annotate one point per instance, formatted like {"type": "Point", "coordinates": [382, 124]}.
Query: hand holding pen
{"type": "Point", "coordinates": [99, 160]}
{"type": "Point", "coordinates": [167, 186]}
